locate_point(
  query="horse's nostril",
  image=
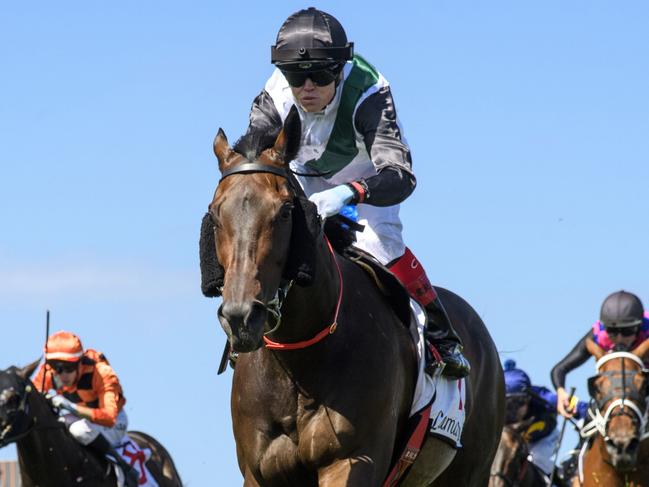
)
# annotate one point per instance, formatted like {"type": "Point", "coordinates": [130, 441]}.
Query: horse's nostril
{"type": "Point", "coordinates": [257, 313]}
{"type": "Point", "coordinates": [242, 315]}
{"type": "Point", "coordinates": [622, 446]}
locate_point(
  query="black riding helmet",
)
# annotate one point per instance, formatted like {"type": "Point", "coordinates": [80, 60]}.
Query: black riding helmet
{"type": "Point", "coordinates": [621, 310]}
{"type": "Point", "coordinates": [311, 40]}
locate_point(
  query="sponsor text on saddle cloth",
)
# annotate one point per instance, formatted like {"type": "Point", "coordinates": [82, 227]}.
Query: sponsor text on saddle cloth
{"type": "Point", "coordinates": [448, 395]}
{"type": "Point", "coordinates": [137, 458]}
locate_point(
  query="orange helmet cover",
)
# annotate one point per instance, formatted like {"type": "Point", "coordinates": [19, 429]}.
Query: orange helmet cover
{"type": "Point", "coordinates": [64, 346]}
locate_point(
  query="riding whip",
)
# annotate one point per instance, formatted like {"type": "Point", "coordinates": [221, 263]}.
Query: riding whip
{"type": "Point", "coordinates": [557, 445]}
{"type": "Point", "coordinates": [47, 337]}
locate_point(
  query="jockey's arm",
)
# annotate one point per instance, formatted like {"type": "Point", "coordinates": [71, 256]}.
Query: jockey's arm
{"type": "Point", "coordinates": [575, 358]}
{"type": "Point", "coordinates": [106, 384]}
{"type": "Point", "coordinates": [376, 122]}
{"type": "Point", "coordinates": [84, 412]}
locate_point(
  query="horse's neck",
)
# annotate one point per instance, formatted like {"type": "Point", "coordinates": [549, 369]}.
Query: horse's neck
{"type": "Point", "coordinates": [46, 433]}
{"type": "Point", "coordinates": [48, 447]}
{"type": "Point", "coordinates": [308, 310]}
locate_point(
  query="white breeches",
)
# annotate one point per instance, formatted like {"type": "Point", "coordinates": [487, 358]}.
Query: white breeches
{"type": "Point", "coordinates": [85, 432]}
{"type": "Point", "coordinates": [382, 235]}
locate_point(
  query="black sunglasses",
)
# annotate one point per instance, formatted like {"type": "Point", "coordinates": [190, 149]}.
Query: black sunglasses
{"type": "Point", "coordinates": [322, 77]}
{"type": "Point", "coordinates": [64, 367]}
{"type": "Point", "coordinates": [625, 332]}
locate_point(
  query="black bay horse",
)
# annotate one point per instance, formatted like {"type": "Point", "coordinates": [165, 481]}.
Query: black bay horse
{"type": "Point", "coordinates": [48, 455]}
{"type": "Point", "coordinates": [323, 397]}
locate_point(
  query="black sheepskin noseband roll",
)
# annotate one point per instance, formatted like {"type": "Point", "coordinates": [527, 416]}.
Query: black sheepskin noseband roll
{"type": "Point", "coordinates": [300, 265]}
{"type": "Point", "coordinates": [211, 270]}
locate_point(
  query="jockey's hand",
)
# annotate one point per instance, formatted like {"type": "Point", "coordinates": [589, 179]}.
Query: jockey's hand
{"type": "Point", "coordinates": [60, 402]}
{"type": "Point", "coordinates": [331, 201]}
{"type": "Point", "coordinates": [565, 404]}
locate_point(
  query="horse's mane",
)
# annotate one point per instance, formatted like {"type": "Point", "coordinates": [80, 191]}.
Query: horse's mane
{"type": "Point", "coordinates": [254, 142]}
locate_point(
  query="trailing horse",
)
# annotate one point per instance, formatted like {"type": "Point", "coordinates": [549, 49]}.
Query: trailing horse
{"type": "Point", "coordinates": [511, 466]}
{"type": "Point", "coordinates": [325, 376]}
{"type": "Point", "coordinates": [48, 455]}
{"type": "Point", "coordinates": [619, 454]}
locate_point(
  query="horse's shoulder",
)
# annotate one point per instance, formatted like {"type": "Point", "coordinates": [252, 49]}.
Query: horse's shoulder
{"type": "Point", "coordinates": [384, 280]}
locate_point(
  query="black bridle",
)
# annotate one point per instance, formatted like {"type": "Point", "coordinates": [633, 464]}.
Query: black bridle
{"type": "Point", "coordinates": [257, 167]}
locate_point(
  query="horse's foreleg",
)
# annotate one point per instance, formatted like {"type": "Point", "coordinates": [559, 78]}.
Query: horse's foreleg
{"type": "Point", "coordinates": [349, 472]}
{"type": "Point", "coordinates": [249, 480]}
{"type": "Point", "coordinates": [433, 459]}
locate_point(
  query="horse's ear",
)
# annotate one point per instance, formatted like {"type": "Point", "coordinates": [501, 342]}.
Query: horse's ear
{"type": "Point", "coordinates": [222, 149]}
{"type": "Point", "coordinates": [642, 349]}
{"type": "Point", "coordinates": [594, 349]}
{"type": "Point", "coordinates": [288, 141]}
{"type": "Point", "coordinates": [27, 371]}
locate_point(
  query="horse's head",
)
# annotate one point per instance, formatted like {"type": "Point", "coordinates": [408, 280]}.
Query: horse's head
{"type": "Point", "coordinates": [511, 462]}
{"type": "Point", "coordinates": [14, 414]}
{"type": "Point", "coordinates": [619, 391]}
{"type": "Point", "coordinates": [255, 212]}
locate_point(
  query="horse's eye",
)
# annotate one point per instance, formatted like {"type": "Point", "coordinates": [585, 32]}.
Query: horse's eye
{"type": "Point", "coordinates": [215, 221]}
{"type": "Point", "coordinates": [286, 211]}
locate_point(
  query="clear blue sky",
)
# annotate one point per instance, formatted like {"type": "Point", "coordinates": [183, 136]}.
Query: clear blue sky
{"type": "Point", "coordinates": [528, 123]}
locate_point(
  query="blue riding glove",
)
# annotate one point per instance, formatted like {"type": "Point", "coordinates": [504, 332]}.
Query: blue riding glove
{"type": "Point", "coordinates": [331, 201]}
{"type": "Point", "coordinates": [60, 402]}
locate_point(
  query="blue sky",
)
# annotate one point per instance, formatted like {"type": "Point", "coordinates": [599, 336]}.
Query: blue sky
{"type": "Point", "coordinates": [528, 124]}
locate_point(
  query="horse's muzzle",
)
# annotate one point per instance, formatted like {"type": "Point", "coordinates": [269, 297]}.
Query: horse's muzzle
{"type": "Point", "coordinates": [244, 324]}
{"type": "Point", "coordinates": [623, 453]}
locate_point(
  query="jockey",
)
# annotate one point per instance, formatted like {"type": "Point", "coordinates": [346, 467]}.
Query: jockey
{"type": "Point", "coordinates": [537, 404]}
{"type": "Point", "coordinates": [353, 143]}
{"type": "Point", "coordinates": [623, 325]}
{"type": "Point", "coordinates": [87, 392]}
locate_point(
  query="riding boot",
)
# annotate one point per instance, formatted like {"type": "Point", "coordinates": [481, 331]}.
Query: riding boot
{"type": "Point", "coordinates": [439, 330]}
{"type": "Point", "coordinates": [441, 334]}
{"type": "Point", "coordinates": [103, 447]}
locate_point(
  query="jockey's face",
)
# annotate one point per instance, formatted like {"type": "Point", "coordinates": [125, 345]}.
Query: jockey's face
{"type": "Point", "coordinates": [313, 98]}
{"type": "Point", "coordinates": [516, 408]}
{"type": "Point", "coordinates": [623, 336]}
{"type": "Point", "coordinates": [65, 372]}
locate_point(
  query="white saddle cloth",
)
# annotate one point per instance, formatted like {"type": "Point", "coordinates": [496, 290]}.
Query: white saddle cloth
{"type": "Point", "coordinates": [137, 457]}
{"type": "Point", "coordinates": [448, 395]}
